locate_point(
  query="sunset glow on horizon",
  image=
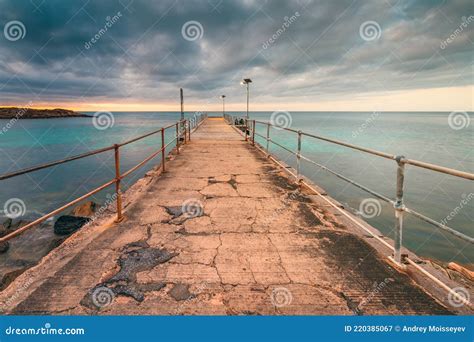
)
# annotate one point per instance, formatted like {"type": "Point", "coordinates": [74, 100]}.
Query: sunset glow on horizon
{"type": "Point", "coordinates": [435, 99]}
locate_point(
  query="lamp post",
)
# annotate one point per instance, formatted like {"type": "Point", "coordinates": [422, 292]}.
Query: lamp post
{"type": "Point", "coordinates": [182, 103]}
{"type": "Point", "coordinates": [181, 123]}
{"type": "Point", "coordinates": [223, 104]}
{"type": "Point", "coordinates": [247, 81]}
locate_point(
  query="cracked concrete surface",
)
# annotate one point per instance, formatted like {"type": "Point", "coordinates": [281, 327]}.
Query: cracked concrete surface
{"type": "Point", "coordinates": [260, 246]}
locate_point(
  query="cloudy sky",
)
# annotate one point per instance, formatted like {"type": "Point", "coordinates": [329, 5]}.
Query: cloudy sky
{"type": "Point", "coordinates": [300, 54]}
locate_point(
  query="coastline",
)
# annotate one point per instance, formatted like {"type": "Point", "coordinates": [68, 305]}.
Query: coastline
{"type": "Point", "coordinates": [8, 113]}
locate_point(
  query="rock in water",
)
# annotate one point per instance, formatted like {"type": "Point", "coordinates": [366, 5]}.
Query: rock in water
{"type": "Point", "coordinates": [68, 224]}
{"type": "Point", "coordinates": [86, 209]}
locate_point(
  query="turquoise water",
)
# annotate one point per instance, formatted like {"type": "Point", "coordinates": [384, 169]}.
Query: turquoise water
{"type": "Point", "coordinates": [423, 136]}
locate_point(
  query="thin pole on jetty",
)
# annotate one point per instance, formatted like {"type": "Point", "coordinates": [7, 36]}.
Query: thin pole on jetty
{"type": "Point", "coordinates": [247, 81]}
{"type": "Point", "coordinates": [163, 148]}
{"type": "Point", "coordinates": [223, 105]}
{"type": "Point", "coordinates": [188, 125]}
{"type": "Point", "coordinates": [182, 103]}
{"type": "Point", "coordinates": [117, 183]}
{"type": "Point", "coordinates": [182, 126]}
{"type": "Point", "coordinates": [399, 210]}
{"type": "Point", "coordinates": [177, 138]}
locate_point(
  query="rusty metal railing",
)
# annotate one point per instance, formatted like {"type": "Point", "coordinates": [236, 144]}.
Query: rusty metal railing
{"type": "Point", "coordinates": [183, 133]}
{"type": "Point", "coordinates": [400, 208]}
{"type": "Point", "coordinates": [248, 130]}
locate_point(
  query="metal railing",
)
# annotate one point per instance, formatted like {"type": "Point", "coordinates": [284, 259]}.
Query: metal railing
{"type": "Point", "coordinates": [249, 131]}
{"type": "Point", "coordinates": [183, 134]}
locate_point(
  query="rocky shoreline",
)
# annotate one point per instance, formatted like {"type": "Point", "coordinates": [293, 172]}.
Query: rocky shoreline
{"type": "Point", "coordinates": [24, 251]}
{"type": "Point", "coordinates": [29, 113]}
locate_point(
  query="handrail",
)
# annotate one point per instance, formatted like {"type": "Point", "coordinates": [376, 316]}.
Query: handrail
{"type": "Point", "coordinates": [57, 162]}
{"type": "Point", "coordinates": [183, 130]}
{"type": "Point", "coordinates": [401, 161]}
{"type": "Point", "coordinates": [442, 169]}
{"type": "Point", "coordinates": [413, 162]}
{"type": "Point", "coordinates": [78, 156]}
{"type": "Point", "coordinates": [146, 135]}
{"type": "Point", "coordinates": [338, 142]}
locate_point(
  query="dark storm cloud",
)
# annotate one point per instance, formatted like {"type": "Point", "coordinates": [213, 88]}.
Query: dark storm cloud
{"type": "Point", "coordinates": [143, 55]}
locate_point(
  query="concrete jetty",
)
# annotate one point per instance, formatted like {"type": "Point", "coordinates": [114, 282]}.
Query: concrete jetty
{"type": "Point", "coordinates": [223, 231]}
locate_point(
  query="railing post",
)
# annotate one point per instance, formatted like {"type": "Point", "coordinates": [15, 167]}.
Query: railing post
{"type": "Point", "coordinates": [246, 129]}
{"type": "Point", "coordinates": [163, 149]}
{"type": "Point", "coordinates": [177, 138]}
{"type": "Point", "coordinates": [268, 139]}
{"type": "Point", "coordinates": [298, 158]}
{"type": "Point", "coordinates": [185, 132]}
{"type": "Point", "coordinates": [399, 210]}
{"type": "Point", "coordinates": [253, 133]}
{"type": "Point", "coordinates": [190, 129]}
{"type": "Point", "coordinates": [118, 193]}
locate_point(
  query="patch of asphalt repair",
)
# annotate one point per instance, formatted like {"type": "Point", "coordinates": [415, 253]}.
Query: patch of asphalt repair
{"type": "Point", "coordinates": [180, 292]}
{"type": "Point", "coordinates": [137, 257]}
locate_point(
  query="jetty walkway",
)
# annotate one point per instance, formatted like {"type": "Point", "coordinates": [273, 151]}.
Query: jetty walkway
{"type": "Point", "coordinates": [223, 231]}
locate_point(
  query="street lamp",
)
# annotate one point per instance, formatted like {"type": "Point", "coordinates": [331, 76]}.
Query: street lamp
{"type": "Point", "coordinates": [247, 81]}
{"type": "Point", "coordinates": [182, 103]}
{"type": "Point", "coordinates": [223, 104]}
{"type": "Point", "coordinates": [181, 122]}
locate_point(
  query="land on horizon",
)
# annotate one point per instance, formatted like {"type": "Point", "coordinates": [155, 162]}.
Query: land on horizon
{"type": "Point", "coordinates": [30, 113]}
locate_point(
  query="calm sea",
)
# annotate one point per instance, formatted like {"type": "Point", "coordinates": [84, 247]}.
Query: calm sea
{"type": "Point", "coordinates": [423, 136]}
